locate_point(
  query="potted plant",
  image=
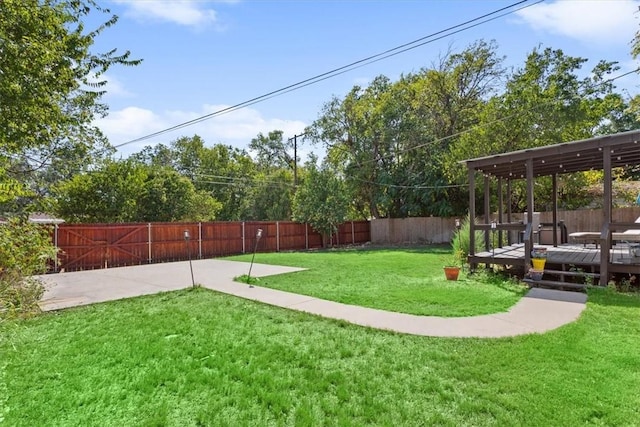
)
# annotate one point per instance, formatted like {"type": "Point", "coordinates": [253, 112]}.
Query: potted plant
{"type": "Point", "coordinates": [535, 274]}
{"type": "Point", "coordinates": [451, 272]}
{"type": "Point", "coordinates": [453, 267]}
{"type": "Point", "coordinates": [539, 257]}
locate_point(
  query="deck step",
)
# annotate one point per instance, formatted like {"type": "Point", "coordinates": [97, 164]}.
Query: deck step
{"type": "Point", "coordinates": [555, 284]}
{"type": "Point", "coordinates": [571, 273]}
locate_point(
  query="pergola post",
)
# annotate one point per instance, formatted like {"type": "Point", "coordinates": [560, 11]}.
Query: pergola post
{"type": "Point", "coordinates": [487, 209]}
{"type": "Point", "coordinates": [554, 185]}
{"type": "Point", "coordinates": [605, 245]}
{"type": "Point", "coordinates": [528, 247]}
{"type": "Point", "coordinates": [472, 216]}
{"type": "Point", "coordinates": [500, 209]}
{"type": "Point", "coordinates": [509, 216]}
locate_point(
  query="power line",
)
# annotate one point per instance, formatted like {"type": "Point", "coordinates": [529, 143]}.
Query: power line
{"type": "Point", "coordinates": [445, 138]}
{"type": "Point", "coordinates": [200, 177]}
{"type": "Point", "coordinates": [340, 70]}
{"type": "Point", "coordinates": [253, 181]}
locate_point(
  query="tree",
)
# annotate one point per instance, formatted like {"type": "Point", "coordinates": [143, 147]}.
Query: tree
{"type": "Point", "coordinates": [271, 151]}
{"type": "Point", "coordinates": [128, 191]}
{"type": "Point", "coordinates": [167, 196]}
{"type": "Point", "coordinates": [545, 102]}
{"type": "Point", "coordinates": [223, 172]}
{"type": "Point", "coordinates": [273, 183]}
{"type": "Point", "coordinates": [203, 208]}
{"type": "Point", "coordinates": [108, 194]}
{"type": "Point", "coordinates": [635, 45]}
{"type": "Point", "coordinates": [51, 86]}
{"type": "Point", "coordinates": [271, 196]}
{"type": "Point", "coordinates": [390, 138]}
{"type": "Point", "coordinates": [322, 201]}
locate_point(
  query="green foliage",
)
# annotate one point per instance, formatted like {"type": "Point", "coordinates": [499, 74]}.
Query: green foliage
{"type": "Point", "coordinates": [163, 195]}
{"type": "Point", "coordinates": [635, 45]}
{"type": "Point", "coordinates": [239, 187]}
{"type": "Point", "coordinates": [545, 102]}
{"type": "Point", "coordinates": [271, 196]}
{"type": "Point", "coordinates": [272, 152]}
{"type": "Point", "coordinates": [224, 172]}
{"type": "Point", "coordinates": [249, 280]}
{"type": "Point", "coordinates": [25, 250]}
{"type": "Point", "coordinates": [389, 138]}
{"type": "Point", "coordinates": [51, 89]}
{"type": "Point", "coordinates": [10, 188]}
{"type": "Point", "coordinates": [108, 194]}
{"type": "Point", "coordinates": [128, 191]}
{"type": "Point", "coordinates": [461, 243]}
{"type": "Point", "coordinates": [202, 207]}
{"type": "Point", "coordinates": [322, 201]}
{"type": "Point", "coordinates": [624, 283]}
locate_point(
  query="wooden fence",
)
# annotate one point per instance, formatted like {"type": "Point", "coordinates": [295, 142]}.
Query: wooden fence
{"type": "Point", "coordinates": [90, 246]}
{"type": "Point", "coordinates": [440, 230]}
{"type": "Point", "coordinates": [412, 230]}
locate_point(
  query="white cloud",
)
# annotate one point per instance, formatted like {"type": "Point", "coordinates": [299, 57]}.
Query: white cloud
{"type": "Point", "coordinates": [182, 12]}
{"type": "Point", "coordinates": [115, 88]}
{"type": "Point", "coordinates": [602, 22]}
{"type": "Point", "coordinates": [129, 123]}
{"type": "Point", "coordinates": [236, 128]}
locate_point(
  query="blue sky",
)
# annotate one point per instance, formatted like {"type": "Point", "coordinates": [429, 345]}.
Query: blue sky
{"type": "Point", "coordinates": [201, 56]}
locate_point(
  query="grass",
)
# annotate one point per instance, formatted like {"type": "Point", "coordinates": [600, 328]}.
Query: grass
{"type": "Point", "coordinates": [198, 358]}
{"type": "Point", "coordinates": [402, 280]}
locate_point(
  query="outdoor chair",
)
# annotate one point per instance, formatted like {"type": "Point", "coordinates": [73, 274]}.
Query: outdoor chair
{"type": "Point", "coordinates": [627, 236]}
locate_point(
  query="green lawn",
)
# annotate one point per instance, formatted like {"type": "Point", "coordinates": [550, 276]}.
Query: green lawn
{"type": "Point", "coordinates": [198, 358]}
{"type": "Point", "coordinates": [402, 280]}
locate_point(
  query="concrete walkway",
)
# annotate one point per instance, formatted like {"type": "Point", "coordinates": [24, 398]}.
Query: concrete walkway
{"type": "Point", "coordinates": [539, 311]}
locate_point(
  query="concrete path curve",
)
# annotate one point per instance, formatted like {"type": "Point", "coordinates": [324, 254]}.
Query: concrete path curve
{"type": "Point", "coordinates": [539, 311]}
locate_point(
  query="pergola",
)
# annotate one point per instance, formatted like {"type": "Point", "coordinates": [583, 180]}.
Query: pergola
{"type": "Point", "coordinates": [599, 153]}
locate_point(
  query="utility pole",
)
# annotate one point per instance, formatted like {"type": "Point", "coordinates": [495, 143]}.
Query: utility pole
{"type": "Point", "coordinates": [295, 158]}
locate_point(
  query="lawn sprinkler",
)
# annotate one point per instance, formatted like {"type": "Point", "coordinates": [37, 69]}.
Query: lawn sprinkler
{"type": "Point", "coordinates": [186, 241]}
{"type": "Point", "coordinates": [459, 239]}
{"type": "Point", "coordinates": [255, 248]}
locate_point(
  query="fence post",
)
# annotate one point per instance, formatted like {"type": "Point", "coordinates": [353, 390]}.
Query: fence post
{"type": "Point", "coordinates": [55, 243]}
{"type": "Point", "coordinates": [243, 251]}
{"type": "Point", "coordinates": [199, 240]}
{"type": "Point", "coordinates": [277, 236]}
{"type": "Point", "coordinates": [306, 236]}
{"type": "Point", "coordinates": [149, 240]}
{"type": "Point", "coordinates": [353, 234]}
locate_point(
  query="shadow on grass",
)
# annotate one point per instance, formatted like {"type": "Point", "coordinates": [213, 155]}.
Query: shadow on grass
{"type": "Point", "coordinates": [610, 297]}
{"type": "Point", "coordinates": [499, 279]}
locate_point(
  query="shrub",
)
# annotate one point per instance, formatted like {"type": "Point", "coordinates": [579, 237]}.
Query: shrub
{"type": "Point", "coordinates": [25, 250]}
{"type": "Point", "coordinates": [461, 242]}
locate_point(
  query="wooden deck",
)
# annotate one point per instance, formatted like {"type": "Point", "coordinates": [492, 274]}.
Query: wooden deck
{"type": "Point", "coordinates": [563, 257]}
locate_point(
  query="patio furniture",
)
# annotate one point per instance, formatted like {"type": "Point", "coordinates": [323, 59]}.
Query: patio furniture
{"type": "Point", "coordinates": [627, 236]}
{"type": "Point", "coordinates": [586, 237]}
